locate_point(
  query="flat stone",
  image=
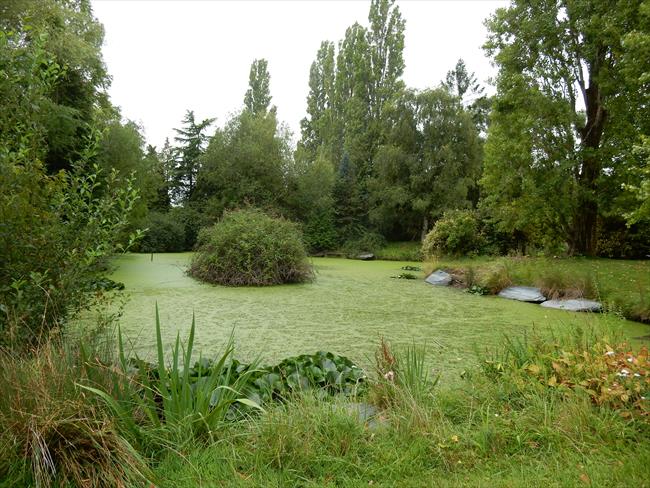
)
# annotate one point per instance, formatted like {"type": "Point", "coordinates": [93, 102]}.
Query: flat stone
{"type": "Point", "coordinates": [523, 294]}
{"type": "Point", "coordinates": [439, 278]}
{"type": "Point", "coordinates": [367, 414]}
{"type": "Point", "coordinates": [575, 305]}
{"type": "Point", "coordinates": [366, 256]}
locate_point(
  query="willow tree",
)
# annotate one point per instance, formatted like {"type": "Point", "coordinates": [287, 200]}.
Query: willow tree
{"type": "Point", "coordinates": [560, 126]}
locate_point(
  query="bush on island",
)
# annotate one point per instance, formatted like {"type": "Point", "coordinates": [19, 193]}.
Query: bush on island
{"type": "Point", "coordinates": [251, 248]}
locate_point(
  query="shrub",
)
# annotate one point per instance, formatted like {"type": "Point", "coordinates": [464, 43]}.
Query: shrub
{"type": "Point", "coordinates": [456, 234]}
{"type": "Point", "coordinates": [400, 251]}
{"type": "Point", "coordinates": [192, 221]}
{"type": "Point", "coordinates": [610, 373]}
{"type": "Point", "coordinates": [496, 278]}
{"type": "Point", "coordinates": [557, 283]}
{"type": "Point", "coordinates": [164, 234]}
{"type": "Point", "coordinates": [248, 247]}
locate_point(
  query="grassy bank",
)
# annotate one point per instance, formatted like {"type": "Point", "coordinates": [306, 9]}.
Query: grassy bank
{"type": "Point", "coordinates": [622, 285]}
{"type": "Point", "coordinates": [505, 429]}
{"type": "Point", "coordinates": [562, 410]}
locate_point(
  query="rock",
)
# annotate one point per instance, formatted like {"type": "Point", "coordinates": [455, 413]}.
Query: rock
{"type": "Point", "coordinates": [576, 305]}
{"type": "Point", "coordinates": [366, 414]}
{"type": "Point", "coordinates": [523, 294]}
{"type": "Point", "coordinates": [439, 278]}
{"type": "Point", "coordinates": [366, 256]}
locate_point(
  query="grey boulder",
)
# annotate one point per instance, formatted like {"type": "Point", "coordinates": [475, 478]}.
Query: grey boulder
{"type": "Point", "coordinates": [439, 278]}
{"type": "Point", "coordinates": [523, 294]}
{"type": "Point", "coordinates": [366, 256]}
{"type": "Point", "coordinates": [574, 305]}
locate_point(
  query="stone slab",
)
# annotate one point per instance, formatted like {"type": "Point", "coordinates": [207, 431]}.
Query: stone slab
{"type": "Point", "coordinates": [523, 294]}
{"type": "Point", "coordinates": [366, 256]}
{"type": "Point", "coordinates": [439, 278]}
{"type": "Point", "coordinates": [574, 305]}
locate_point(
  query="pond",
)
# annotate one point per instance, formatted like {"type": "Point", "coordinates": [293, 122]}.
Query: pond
{"type": "Point", "coordinates": [346, 310]}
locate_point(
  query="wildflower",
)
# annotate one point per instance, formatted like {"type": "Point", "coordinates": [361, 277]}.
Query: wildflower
{"type": "Point", "coordinates": [390, 376]}
{"type": "Point", "coordinates": [610, 353]}
{"type": "Point", "coordinates": [637, 375]}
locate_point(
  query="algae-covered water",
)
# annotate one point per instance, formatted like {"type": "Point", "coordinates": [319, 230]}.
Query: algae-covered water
{"type": "Point", "coordinates": [346, 310]}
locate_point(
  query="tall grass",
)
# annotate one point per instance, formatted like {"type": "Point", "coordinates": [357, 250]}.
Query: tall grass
{"type": "Point", "coordinates": [51, 432]}
{"type": "Point", "coordinates": [483, 430]}
{"type": "Point", "coordinates": [164, 406]}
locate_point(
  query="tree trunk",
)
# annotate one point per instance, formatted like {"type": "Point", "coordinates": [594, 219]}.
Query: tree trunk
{"type": "Point", "coordinates": [425, 228]}
{"type": "Point", "coordinates": [583, 239]}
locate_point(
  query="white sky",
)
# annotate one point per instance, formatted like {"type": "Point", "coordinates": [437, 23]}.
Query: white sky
{"type": "Point", "coordinates": [169, 56]}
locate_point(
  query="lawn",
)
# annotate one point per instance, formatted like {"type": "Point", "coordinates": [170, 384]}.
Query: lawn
{"type": "Point", "coordinates": [349, 306]}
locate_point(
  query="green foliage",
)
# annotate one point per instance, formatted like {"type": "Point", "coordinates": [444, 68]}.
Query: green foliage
{"type": "Point", "coordinates": [401, 251]}
{"type": "Point", "coordinates": [71, 107]}
{"type": "Point", "coordinates": [248, 247]}
{"type": "Point", "coordinates": [258, 95]}
{"type": "Point", "coordinates": [191, 139]}
{"type": "Point", "coordinates": [176, 402]}
{"type": "Point", "coordinates": [245, 164]}
{"type": "Point", "coordinates": [455, 234]}
{"type": "Point", "coordinates": [428, 164]}
{"type": "Point", "coordinates": [57, 231]}
{"type": "Point", "coordinates": [552, 167]}
{"type": "Point", "coordinates": [179, 404]}
{"type": "Point", "coordinates": [192, 220]}
{"type": "Point", "coordinates": [163, 233]}
{"type": "Point", "coordinates": [320, 232]}
{"type": "Point", "coordinates": [367, 242]}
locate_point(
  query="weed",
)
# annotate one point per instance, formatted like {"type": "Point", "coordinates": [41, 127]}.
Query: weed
{"type": "Point", "coordinates": [57, 434]}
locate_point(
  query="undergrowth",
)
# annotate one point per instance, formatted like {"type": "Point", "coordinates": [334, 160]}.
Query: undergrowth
{"type": "Point", "coordinates": [564, 411]}
{"type": "Point", "coordinates": [505, 429]}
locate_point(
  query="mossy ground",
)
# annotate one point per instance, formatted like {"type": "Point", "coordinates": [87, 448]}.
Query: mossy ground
{"type": "Point", "coordinates": [346, 310]}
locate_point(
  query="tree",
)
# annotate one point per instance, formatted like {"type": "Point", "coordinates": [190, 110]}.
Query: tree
{"type": "Point", "coordinates": [192, 140]}
{"type": "Point", "coordinates": [245, 163]}
{"type": "Point", "coordinates": [560, 72]}
{"type": "Point", "coordinates": [463, 83]}
{"type": "Point", "coordinates": [428, 163]}
{"type": "Point", "coordinates": [72, 37]}
{"type": "Point", "coordinates": [319, 128]}
{"type": "Point", "coordinates": [386, 42]}
{"type": "Point", "coordinates": [258, 95]}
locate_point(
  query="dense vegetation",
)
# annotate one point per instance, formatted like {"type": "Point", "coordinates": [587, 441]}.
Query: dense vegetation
{"type": "Point", "coordinates": [534, 409]}
{"type": "Point", "coordinates": [248, 247]}
{"type": "Point", "coordinates": [556, 162]}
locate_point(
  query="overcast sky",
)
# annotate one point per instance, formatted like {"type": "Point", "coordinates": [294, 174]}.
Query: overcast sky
{"type": "Point", "coordinates": [169, 56]}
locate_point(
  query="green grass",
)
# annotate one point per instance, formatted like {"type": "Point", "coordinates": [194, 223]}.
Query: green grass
{"type": "Point", "coordinates": [346, 310]}
{"type": "Point", "coordinates": [400, 251]}
{"type": "Point", "coordinates": [508, 430]}
{"type": "Point", "coordinates": [623, 285]}
{"type": "Point", "coordinates": [469, 437]}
